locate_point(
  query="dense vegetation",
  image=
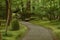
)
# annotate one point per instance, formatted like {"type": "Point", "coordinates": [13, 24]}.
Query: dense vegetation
{"type": "Point", "coordinates": [41, 12]}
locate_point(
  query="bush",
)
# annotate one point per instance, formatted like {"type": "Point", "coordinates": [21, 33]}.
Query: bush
{"type": "Point", "coordinates": [15, 24]}
{"type": "Point", "coordinates": [3, 14]}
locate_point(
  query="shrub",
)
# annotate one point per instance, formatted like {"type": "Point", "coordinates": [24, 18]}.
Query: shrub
{"type": "Point", "coordinates": [15, 24]}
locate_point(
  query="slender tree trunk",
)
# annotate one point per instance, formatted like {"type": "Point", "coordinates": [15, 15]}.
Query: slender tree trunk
{"type": "Point", "coordinates": [28, 9]}
{"type": "Point", "coordinates": [22, 10]}
{"type": "Point", "coordinates": [9, 14]}
{"type": "Point", "coordinates": [6, 8]}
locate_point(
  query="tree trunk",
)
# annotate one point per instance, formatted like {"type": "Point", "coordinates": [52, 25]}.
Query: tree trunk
{"type": "Point", "coordinates": [9, 14]}
{"type": "Point", "coordinates": [22, 10]}
{"type": "Point", "coordinates": [28, 9]}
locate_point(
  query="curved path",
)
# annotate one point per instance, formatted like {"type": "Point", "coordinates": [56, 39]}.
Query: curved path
{"type": "Point", "coordinates": [37, 33]}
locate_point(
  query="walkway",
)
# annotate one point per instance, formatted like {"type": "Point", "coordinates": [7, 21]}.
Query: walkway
{"type": "Point", "coordinates": [37, 33]}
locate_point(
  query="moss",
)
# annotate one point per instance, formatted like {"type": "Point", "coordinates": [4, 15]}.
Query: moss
{"type": "Point", "coordinates": [14, 35]}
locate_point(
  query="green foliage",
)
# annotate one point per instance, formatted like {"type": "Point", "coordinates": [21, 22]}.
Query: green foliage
{"type": "Point", "coordinates": [41, 9]}
{"type": "Point", "coordinates": [3, 14]}
{"type": "Point", "coordinates": [14, 35]}
{"type": "Point", "coordinates": [15, 24]}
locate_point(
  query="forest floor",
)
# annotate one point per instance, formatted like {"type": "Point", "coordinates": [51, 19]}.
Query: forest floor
{"type": "Point", "coordinates": [37, 32]}
{"type": "Point", "coordinates": [13, 35]}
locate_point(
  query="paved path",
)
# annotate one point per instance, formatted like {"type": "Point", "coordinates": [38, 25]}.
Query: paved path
{"type": "Point", "coordinates": [37, 33]}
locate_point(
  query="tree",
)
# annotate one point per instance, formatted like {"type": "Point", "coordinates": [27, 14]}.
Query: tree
{"type": "Point", "coordinates": [28, 9]}
{"type": "Point", "coordinates": [9, 14]}
{"type": "Point", "coordinates": [22, 10]}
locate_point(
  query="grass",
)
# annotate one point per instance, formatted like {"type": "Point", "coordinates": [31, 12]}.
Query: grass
{"type": "Point", "coordinates": [14, 35]}
{"type": "Point", "coordinates": [52, 25]}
